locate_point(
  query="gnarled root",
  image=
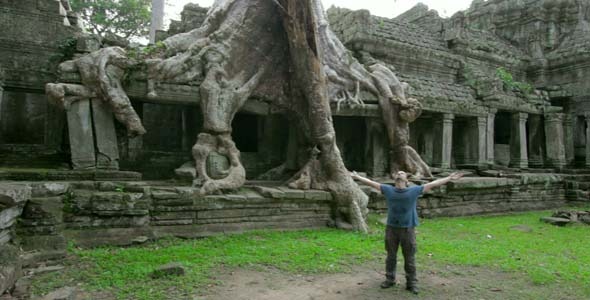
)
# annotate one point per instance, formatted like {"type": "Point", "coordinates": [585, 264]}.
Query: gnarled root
{"type": "Point", "coordinates": [405, 158]}
{"type": "Point", "coordinates": [63, 95]}
{"type": "Point", "coordinates": [223, 145]}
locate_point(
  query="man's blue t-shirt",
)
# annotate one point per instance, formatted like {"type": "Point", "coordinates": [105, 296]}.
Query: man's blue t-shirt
{"type": "Point", "coordinates": [401, 205]}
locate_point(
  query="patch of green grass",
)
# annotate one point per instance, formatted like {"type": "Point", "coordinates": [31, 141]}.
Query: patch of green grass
{"type": "Point", "coordinates": [126, 270]}
{"type": "Point", "coordinates": [548, 254]}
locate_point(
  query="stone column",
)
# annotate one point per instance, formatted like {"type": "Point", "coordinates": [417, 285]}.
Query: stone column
{"type": "Point", "coordinates": [107, 150]}
{"type": "Point", "coordinates": [518, 141]}
{"type": "Point", "coordinates": [536, 141]}
{"type": "Point", "coordinates": [555, 140]}
{"type": "Point", "coordinates": [482, 126]}
{"type": "Point", "coordinates": [377, 147]}
{"type": "Point", "coordinates": [490, 137]}
{"type": "Point", "coordinates": [443, 141]}
{"type": "Point", "coordinates": [568, 134]}
{"type": "Point", "coordinates": [81, 135]}
{"type": "Point", "coordinates": [588, 140]}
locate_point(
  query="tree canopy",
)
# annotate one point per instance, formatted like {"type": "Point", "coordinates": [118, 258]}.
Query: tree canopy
{"type": "Point", "coordinates": [125, 18]}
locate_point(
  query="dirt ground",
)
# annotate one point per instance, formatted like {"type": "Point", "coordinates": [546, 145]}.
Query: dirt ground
{"type": "Point", "coordinates": [362, 282]}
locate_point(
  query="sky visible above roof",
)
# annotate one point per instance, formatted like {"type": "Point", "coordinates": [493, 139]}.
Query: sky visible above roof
{"type": "Point", "coordinates": [382, 8]}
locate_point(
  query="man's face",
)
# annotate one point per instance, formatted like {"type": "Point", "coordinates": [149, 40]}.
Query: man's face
{"type": "Point", "coordinates": [400, 175]}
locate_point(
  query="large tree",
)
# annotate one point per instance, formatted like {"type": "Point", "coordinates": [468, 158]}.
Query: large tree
{"type": "Point", "coordinates": [281, 51]}
{"type": "Point", "coordinates": [124, 18]}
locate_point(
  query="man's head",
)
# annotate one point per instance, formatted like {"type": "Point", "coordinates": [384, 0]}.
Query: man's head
{"type": "Point", "coordinates": [400, 177]}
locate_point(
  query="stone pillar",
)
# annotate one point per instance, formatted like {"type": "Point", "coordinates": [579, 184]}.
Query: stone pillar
{"type": "Point", "coordinates": [518, 141]}
{"type": "Point", "coordinates": [536, 141]}
{"type": "Point", "coordinates": [107, 150]}
{"type": "Point", "coordinates": [377, 147]}
{"type": "Point", "coordinates": [482, 126]}
{"type": "Point", "coordinates": [555, 140]}
{"type": "Point", "coordinates": [568, 134]}
{"type": "Point", "coordinates": [490, 137]}
{"type": "Point", "coordinates": [587, 140]}
{"type": "Point", "coordinates": [443, 141]}
{"type": "Point", "coordinates": [81, 135]}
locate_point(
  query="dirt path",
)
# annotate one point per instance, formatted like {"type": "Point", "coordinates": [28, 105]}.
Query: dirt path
{"type": "Point", "coordinates": [362, 282]}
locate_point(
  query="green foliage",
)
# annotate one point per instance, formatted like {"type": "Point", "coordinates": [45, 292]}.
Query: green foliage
{"type": "Point", "coordinates": [548, 254]}
{"type": "Point", "coordinates": [154, 49]}
{"type": "Point", "coordinates": [125, 18]}
{"type": "Point", "coordinates": [509, 81]}
{"type": "Point", "coordinates": [66, 50]}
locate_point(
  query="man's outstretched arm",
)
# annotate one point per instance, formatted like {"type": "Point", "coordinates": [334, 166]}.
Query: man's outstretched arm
{"type": "Point", "coordinates": [369, 182]}
{"type": "Point", "coordinates": [454, 176]}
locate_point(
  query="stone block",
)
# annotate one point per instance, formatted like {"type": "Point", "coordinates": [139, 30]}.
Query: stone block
{"type": "Point", "coordinates": [236, 213]}
{"type": "Point", "coordinates": [64, 293]}
{"type": "Point", "coordinates": [114, 201]}
{"type": "Point", "coordinates": [122, 212]}
{"type": "Point", "coordinates": [292, 193]}
{"type": "Point", "coordinates": [10, 267]}
{"type": "Point", "coordinates": [269, 192]}
{"type": "Point", "coordinates": [481, 183]}
{"type": "Point", "coordinates": [44, 208]}
{"type": "Point", "coordinates": [5, 236]}
{"type": "Point", "coordinates": [173, 215]}
{"type": "Point", "coordinates": [172, 222]}
{"type": "Point", "coordinates": [12, 194]}
{"type": "Point", "coordinates": [8, 216]}
{"type": "Point", "coordinates": [173, 202]}
{"type": "Point", "coordinates": [107, 151]}
{"type": "Point", "coordinates": [121, 221]}
{"type": "Point", "coordinates": [87, 43]}
{"type": "Point", "coordinates": [49, 189]}
{"type": "Point", "coordinates": [171, 269]}
{"type": "Point", "coordinates": [88, 238]}
{"type": "Point", "coordinates": [317, 195]}
{"type": "Point", "coordinates": [81, 135]}
{"type": "Point", "coordinates": [556, 221]}
{"type": "Point", "coordinates": [165, 195]}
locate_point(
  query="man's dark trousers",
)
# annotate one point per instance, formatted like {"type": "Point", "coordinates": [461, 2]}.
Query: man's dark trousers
{"type": "Point", "coordinates": [406, 237]}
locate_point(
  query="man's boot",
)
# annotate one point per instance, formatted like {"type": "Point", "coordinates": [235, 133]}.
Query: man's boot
{"type": "Point", "coordinates": [387, 283]}
{"type": "Point", "coordinates": [411, 284]}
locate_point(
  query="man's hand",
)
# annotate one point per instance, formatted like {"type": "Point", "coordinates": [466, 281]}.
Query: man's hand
{"type": "Point", "coordinates": [452, 177]}
{"type": "Point", "coordinates": [355, 176]}
{"type": "Point", "coordinates": [455, 176]}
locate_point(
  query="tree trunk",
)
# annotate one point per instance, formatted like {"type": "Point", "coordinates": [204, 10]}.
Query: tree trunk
{"type": "Point", "coordinates": [308, 83]}
{"type": "Point", "coordinates": [157, 18]}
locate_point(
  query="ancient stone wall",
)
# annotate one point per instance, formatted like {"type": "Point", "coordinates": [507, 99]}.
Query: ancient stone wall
{"type": "Point", "coordinates": [12, 200]}
{"type": "Point", "coordinates": [477, 196]}
{"type": "Point", "coordinates": [121, 213]}
{"type": "Point", "coordinates": [34, 37]}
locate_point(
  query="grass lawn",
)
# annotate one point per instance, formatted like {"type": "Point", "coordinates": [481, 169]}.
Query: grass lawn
{"type": "Point", "coordinates": [547, 254]}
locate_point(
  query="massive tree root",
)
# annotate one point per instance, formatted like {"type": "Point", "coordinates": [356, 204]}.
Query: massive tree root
{"type": "Point", "coordinates": [101, 73]}
{"type": "Point", "coordinates": [308, 83]}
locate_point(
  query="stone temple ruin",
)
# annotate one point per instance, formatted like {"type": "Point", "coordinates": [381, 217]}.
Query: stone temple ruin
{"type": "Point", "coordinates": [97, 138]}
